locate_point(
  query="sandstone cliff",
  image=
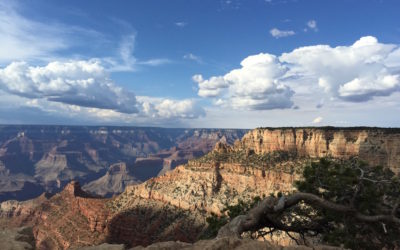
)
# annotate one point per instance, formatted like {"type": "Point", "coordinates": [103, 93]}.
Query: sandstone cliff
{"type": "Point", "coordinates": [377, 146]}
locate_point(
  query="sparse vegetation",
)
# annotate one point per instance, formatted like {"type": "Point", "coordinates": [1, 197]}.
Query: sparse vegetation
{"type": "Point", "coordinates": [248, 158]}
{"type": "Point", "coordinates": [215, 222]}
{"type": "Point", "coordinates": [344, 202]}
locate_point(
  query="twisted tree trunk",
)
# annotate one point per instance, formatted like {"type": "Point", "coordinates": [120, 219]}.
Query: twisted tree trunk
{"type": "Point", "coordinates": [266, 212]}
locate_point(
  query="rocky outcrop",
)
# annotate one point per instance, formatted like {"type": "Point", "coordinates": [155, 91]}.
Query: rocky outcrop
{"type": "Point", "coordinates": [377, 146]}
{"type": "Point", "coordinates": [71, 217]}
{"type": "Point", "coordinates": [20, 213]}
{"type": "Point", "coordinates": [210, 186]}
{"type": "Point", "coordinates": [113, 182]}
{"type": "Point", "coordinates": [74, 218]}
{"type": "Point", "coordinates": [17, 239]}
{"type": "Point", "coordinates": [178, 156]}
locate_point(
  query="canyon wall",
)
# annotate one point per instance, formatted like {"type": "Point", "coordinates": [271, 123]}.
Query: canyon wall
{"type": "Point", "coordinates": [210, 186]}
{"type": "Point", "coordinates": [377, 146]}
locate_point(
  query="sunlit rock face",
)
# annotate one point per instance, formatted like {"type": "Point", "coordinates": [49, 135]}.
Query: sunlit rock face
{"type": "Point", "coordinates": [377, 146]}
{"type": "Point", "coordinates": [228, 174]}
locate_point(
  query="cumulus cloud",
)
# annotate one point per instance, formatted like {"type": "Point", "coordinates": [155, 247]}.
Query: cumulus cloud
{"type": "Point", "coordinates": [170, 109]}
{"type": "Point", "coordinates": [81, 83]}
{"type": "Point", "coordinates": [211, 87]}
{"type": "Point", "coordinates": [151, 111]}
{"type": "Point", "coordinates": [35, 75]}
{"type": "Point", "coordinates": [256, 85]}
{"type": "Point", "coordinates": [355, 73]}
{"type": "Point", "coordinates": [84, 87]}
{"type": "Point", "coordinates": [277, 33]}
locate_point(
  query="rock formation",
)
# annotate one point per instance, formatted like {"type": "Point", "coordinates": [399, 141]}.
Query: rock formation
{"type": "Point", "coordinates": [174, 206]}
{"type": "Point", "coordinates": [17, 239]}
{"type": "Point", "coordinates": [114, 181]}
{"type": "Point", "coordinates": [377, 146]}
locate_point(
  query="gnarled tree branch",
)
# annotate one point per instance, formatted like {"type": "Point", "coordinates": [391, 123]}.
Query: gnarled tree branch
{"type": "Point", "coordinates": [262, 215]}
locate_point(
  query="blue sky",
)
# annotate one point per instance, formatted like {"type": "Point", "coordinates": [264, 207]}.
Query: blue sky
{"type": "Point", "coordinates": [221, 63]}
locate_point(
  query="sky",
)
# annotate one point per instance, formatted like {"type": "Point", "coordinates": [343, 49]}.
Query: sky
{"type": "Point", "coordinates": [203, 63]}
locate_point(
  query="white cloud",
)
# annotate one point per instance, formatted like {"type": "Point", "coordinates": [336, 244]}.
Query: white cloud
{"type": "Point", "coordinates": [81, 83]}
{"type": "Point", "coordinates": [36, 78]}
{"type": "Point", "coordinates": [84, 87]}
{"type": "Point", "coordinates": [281, 33]}
{"type": "Point", "coordinates": [192, 57]}
{"type": "Point", "coordinates": [26, 39]}
{"type": "Point", "coordinates": [152, 111]}
{"type": "Point", "coordinates": [317, 120]}
{"type": "Point", "coordinates": [170, 109]}
{"type": "Point", "coordinates": [312, 24]}
{"type": "Point", "coordinates": [155, 62]}
{"type": "Point", "coordinates": [181, 24]}
{"type": "Point", "coordinates": [212, 87]}
{"type": "Point", "coordinates": [22, 39]}
{"type": "Point", "coordinates": [353, 73]}
{"type": "Point", "coordinates": [126, 61]}
{"type": "Point", "coordinates": [357, 73]}
{"type": "Point", "coordinates": [255, 85]}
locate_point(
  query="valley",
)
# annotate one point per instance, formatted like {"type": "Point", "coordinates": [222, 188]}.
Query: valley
{"type": "Point", "coordinates": [36, 159]}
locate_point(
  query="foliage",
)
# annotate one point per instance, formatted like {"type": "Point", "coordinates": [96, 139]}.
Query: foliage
{"type": "Point", "coordinates": [369, 190]}
{"type": "Point", "coordinates": [363, 191]}
{"type": "Point", "coordinates": [248, 157]}
{"type": "Point", "coordinates": [215, 222]}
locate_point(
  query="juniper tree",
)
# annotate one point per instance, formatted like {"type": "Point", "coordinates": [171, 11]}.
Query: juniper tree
{"type": "Point", "coordinates": [343, 202]}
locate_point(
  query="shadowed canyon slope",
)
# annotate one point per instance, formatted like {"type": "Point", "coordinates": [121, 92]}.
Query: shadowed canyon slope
{"type": "Point", "coordinates": [174, 206]}
{"type": "Point", "coordinates": [36, 159]}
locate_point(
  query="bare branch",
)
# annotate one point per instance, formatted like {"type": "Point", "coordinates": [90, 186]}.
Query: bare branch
{"type": "Point", "coordinates": [293, 238]}
{"type": "Point", "coordinates": [394, 210]}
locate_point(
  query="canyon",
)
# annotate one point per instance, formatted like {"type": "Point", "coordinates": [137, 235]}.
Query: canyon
{"type": "Point", "coordinates": [37, 158]}
{"type": "Point", "coordinates": [174, 205]}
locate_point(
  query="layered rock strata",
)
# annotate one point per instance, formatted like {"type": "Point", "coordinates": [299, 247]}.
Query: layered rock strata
{"type": "Point", "coordinates": [174, 206]}
{"type": "Point", "coordinates": [377, 146]}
